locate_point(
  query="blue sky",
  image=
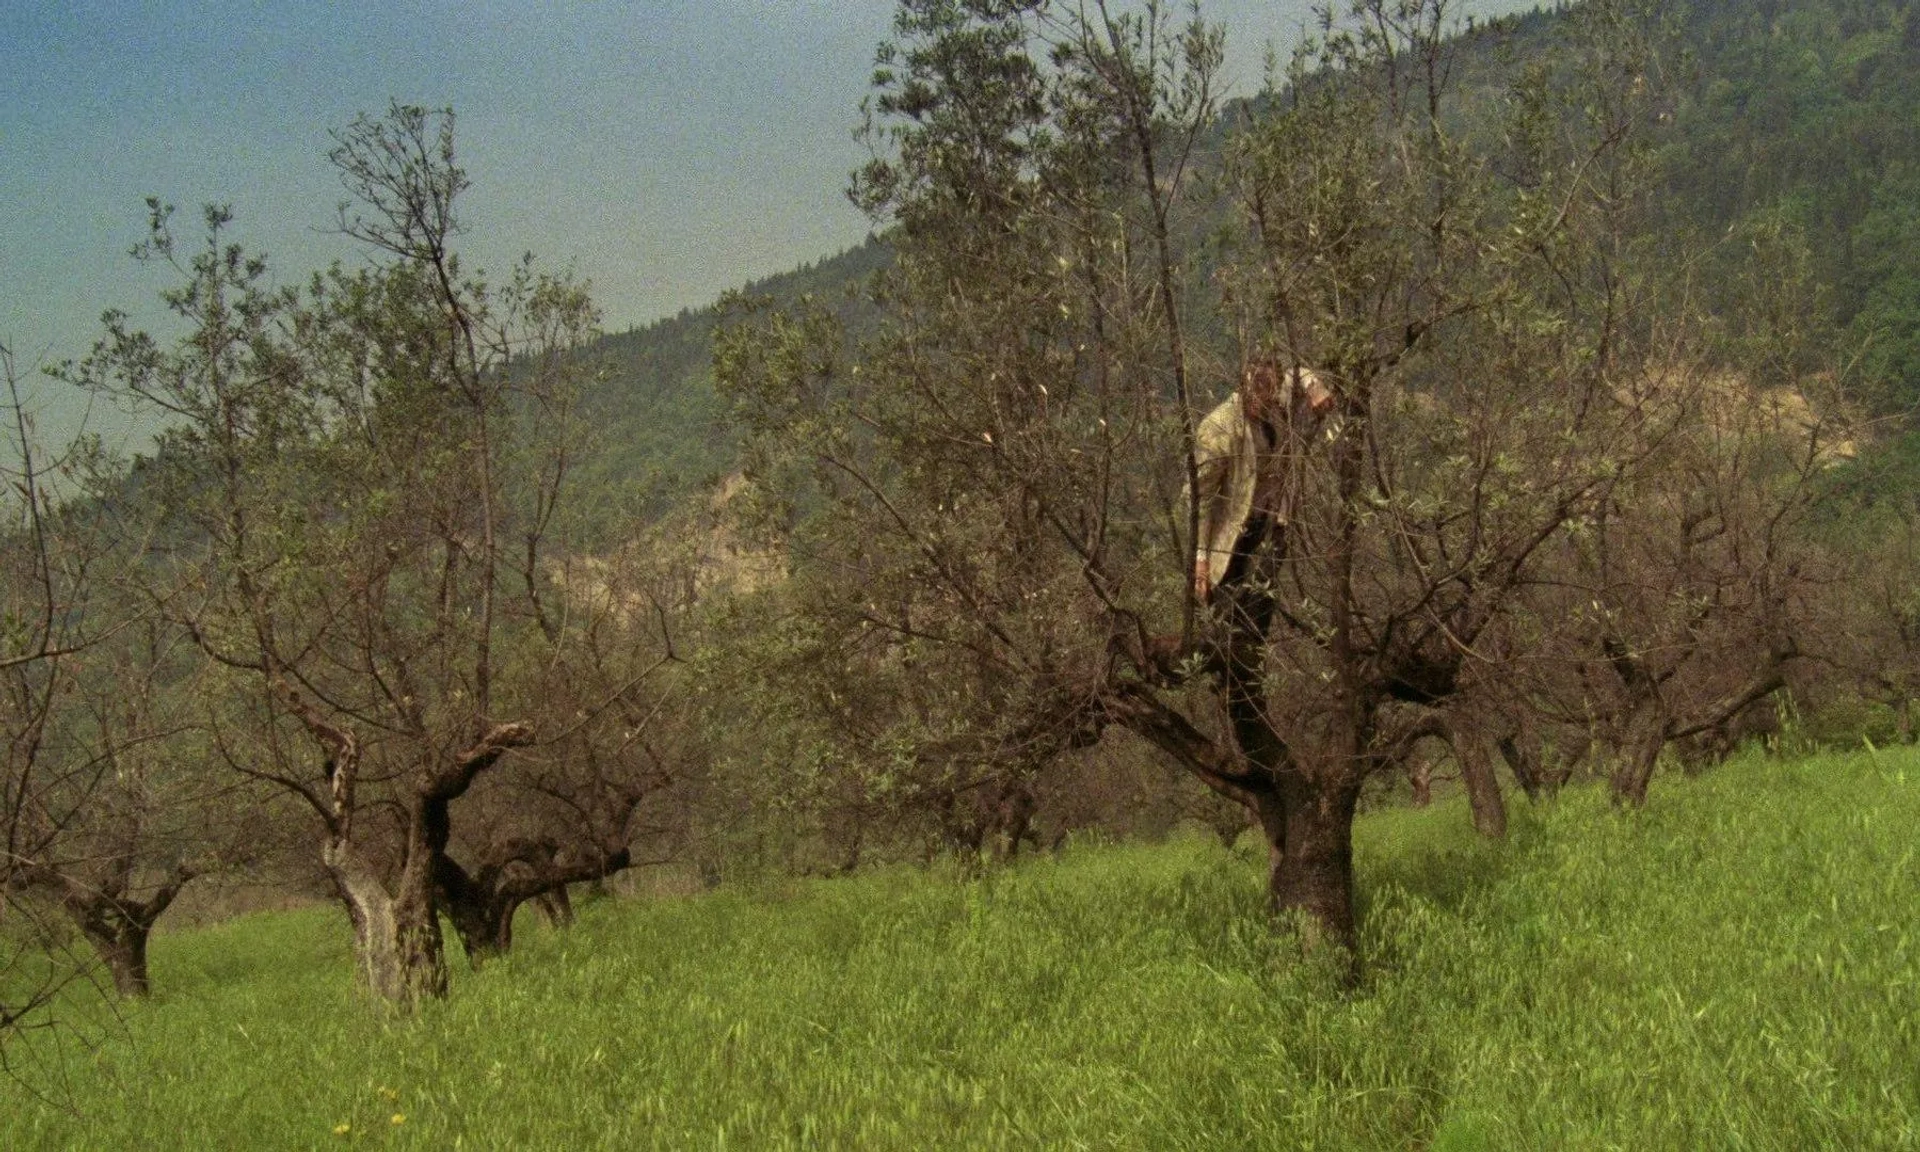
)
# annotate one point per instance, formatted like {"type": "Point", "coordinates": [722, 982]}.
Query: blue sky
{"type": "Point", "coordinates": [665, 150]}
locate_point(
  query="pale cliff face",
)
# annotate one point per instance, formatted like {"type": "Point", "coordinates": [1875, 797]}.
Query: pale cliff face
{"type": "Point", "coordinates": [1730, 409]}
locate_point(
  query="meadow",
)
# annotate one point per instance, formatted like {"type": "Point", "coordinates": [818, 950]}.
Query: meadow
{"type": "Point", "coordinates": [1738, 966]}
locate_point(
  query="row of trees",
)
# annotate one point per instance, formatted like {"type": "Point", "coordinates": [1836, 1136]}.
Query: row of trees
{"type": "Point", "coordinates": [1561, 500]}
{"type": "Point", "coordinates": [1572, 506]}
{"type": "Point", "coordinates": [342, 582]}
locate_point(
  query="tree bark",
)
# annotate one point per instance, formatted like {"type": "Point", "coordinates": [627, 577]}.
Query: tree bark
{"type": "Point", "coordinates": [482, 903]}
{"type": "Point", "coordinates": [398, 950]}
{"type": "Point", "coordinates": [1309, 830]}
{"type": "Point", "coordinates": [1483, 787]}
{"type": "Point", "coordinates": [117, 927]}
{"type": "Point", "coordinates": [1646, 735]}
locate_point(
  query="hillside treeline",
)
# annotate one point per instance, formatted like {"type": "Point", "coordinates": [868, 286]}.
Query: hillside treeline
{"type": "Point", "coordinates": [1802, 109]}
{"type": "Point", "coordinates": [1594, 481]}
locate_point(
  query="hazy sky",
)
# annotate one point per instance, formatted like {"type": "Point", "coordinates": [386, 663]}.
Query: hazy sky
{"type": "Point", "coordinates": [665, 150]}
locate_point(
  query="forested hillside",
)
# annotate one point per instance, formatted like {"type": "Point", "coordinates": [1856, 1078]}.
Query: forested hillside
{"type": "Point", "coordinates": [1811, 109]}
{"type": "Point", "coordinates": [1803, 110]}
{"type": "Point", "coordinates": [661, 430]}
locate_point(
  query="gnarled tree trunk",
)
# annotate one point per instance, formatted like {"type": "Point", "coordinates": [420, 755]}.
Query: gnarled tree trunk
{"type": "Point", "coordinates": [1305, 816]}
{"type": "Point", "coordinates": [1420, 779]}
{"type": "Point", "coordinates": [1645, 734]}
{"type": "Point", "coordinates": [482, 903]}
{"type": "Point", "coordinates": [1522, 754]}
{"type": "Point", "coordinates": [1309, 830]}
{"type": "Point", "coordinates": [116, 925]}
{"type": "Point", "coordinates": [398, 949]}
{"type": "Point", "coordinates": [1651, 722]}
{"type": "Point", "coordinates": [556, 907]}
{"type": "Point", "coordinates": [119, 927]}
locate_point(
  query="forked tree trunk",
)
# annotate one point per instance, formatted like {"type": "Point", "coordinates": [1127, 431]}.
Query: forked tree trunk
{"type": "Point", "coordinates": [1522, 754]}
{"type": "Point", "coordinates": [1016, 809]}
{"type": "Point", "coordinates": [126, 957]}
{"type": "Point", "coordinates": [396, 930]}
{"type": "Point", "coordinates": [1469, 734]}
{"type": "Point", "coordinates": [121, 944]}
{"type": "Point", "coordinates": [482, 903]}
{"type": "Point", "coordinates": [118, 927]}
{"type": "Point", "coordinates": [1651, 723]}
{"type": "Point", "coordinates": [1307, 821]}
{"type": "Point", "coordinates": [1420, 779]}
{"type": "Point", "coordinates": [1306, 817]}
{"type": "Point", "coordinates": [1645, 732]}
{"type": "Point", "coordinates": [398, 951]}
{"type": "Point", "coordinates": [556, 907]}
{"type": "Point", "coordinates": [485, 926]}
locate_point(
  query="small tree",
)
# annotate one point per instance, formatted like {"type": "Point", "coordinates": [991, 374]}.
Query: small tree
{"type": "Point", "coordinates": [1875, 621]}
{"type": "Point", "coordinates": [359, 477]}
{"type": "Point", "coordinates": [40, 638]}
{"type": "Point", "coordinates": [598, 795]}
{"type": "Point", "coordinates": [1693, 583]}
{"type": "Point", "coordinates": [142, 808]}
{"type": "Point", "coordinates": [977, 518]}
{"type": "Point", "coordinates": [109, 806]}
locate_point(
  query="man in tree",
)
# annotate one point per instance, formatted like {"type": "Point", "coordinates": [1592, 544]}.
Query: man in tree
{"type": "Point", "coordinates": [1242, 454]}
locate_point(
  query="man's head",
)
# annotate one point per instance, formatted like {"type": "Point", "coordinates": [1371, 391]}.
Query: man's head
{"type": "Point", "coordinates": [1268, 392]}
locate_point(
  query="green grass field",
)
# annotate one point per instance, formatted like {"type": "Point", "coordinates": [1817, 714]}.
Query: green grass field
{"type": "Point", "coordinates": [1733, 968]}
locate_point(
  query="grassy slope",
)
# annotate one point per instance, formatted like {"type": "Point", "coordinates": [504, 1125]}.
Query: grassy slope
{"type": "Point", "coordinates": [1735, 967]}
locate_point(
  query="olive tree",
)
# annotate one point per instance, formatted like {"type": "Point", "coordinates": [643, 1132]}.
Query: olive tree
{"type": "Point", "coordinates": [367, 485]}
{"type": "Point", "coordinates": [986, 498]}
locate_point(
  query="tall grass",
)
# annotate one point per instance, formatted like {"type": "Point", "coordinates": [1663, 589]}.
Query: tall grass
{"type": "Point", "coordinates": [1733, 968]}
